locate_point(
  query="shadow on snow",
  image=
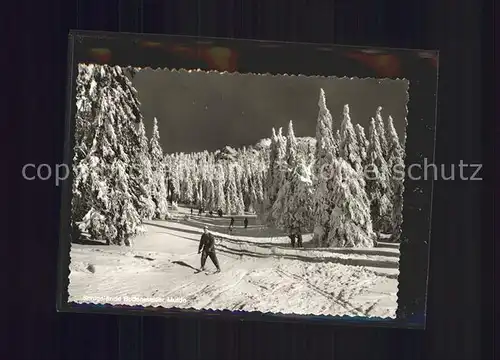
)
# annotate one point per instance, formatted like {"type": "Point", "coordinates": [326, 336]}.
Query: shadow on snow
{"type": "Point", "coordinates": [378, 251]}
{"type": "Point", "coordinates": [224, 249]}
{"type": "Point", "coordinates": [182, 263]}
{"type": "Point", "coordinates": [256, 231]}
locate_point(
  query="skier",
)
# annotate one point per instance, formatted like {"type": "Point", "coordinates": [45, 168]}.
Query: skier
{"type": "Point", "coordinates": [191, 211]}
{"type": "Point", "coordinates": [219, 212]}
{"type": "Point", "coordinates": [299, 238]}
{"type": "Point", "coordinates": [245, 222]}
{"type": "Point", "coordinates": [199, 211]}
{"type": "Point", "coordinates": [231, 224]}
{"type": "Point", "coordinates": [207, 249]}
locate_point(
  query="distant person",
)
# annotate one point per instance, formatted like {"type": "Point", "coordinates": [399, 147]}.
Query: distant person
{"type": "Point", "coordinates": [219, 212]}
{"type": "Point", "coordinates": [211, 213]}
{"type": "Point", "coordinates": [292, 239]}
{"type": "Point", "coordinates": [207, 249]}
{"type": "Point", "coordinates": [191, 211]}
{"type": "Point", "coordinates": [231, 224]}
{"type": "Point", "coordinates": [299, 238]}
{"type": "Point", "coordinates": [200, 211]}
{"type": "Point", "coordinates": [245, 222]}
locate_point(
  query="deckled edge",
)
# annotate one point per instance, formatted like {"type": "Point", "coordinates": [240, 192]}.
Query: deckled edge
{"type": "Point", "coordinates": [401, 255]}
{"type": "Point", "coordinates": [236, 73]}
{"type": "Point", "coordinates": [166, 311]}
{"type": "Point", "coordinates": [169, 311]}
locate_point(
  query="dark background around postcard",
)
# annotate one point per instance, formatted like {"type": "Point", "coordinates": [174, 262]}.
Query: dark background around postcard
{"type": "Point", "coordinates": [458, 325]}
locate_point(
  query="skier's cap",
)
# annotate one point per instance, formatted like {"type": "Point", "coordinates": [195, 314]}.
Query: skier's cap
{"type": "Point", "coordinates": [205, 227]}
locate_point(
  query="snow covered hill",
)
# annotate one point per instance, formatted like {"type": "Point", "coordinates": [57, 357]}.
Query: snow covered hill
{"type": "Point", "coordinates": [260, 272]}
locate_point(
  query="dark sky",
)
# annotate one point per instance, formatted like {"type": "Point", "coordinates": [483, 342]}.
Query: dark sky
{"type": "Point", "coordinates": [206, 111]}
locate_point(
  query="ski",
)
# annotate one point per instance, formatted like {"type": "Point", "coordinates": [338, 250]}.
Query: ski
{"type": "Point", "coordinates": [212, 273]}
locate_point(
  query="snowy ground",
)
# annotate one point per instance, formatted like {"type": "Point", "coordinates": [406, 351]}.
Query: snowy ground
{"type": "Point", "coordinates": [260, 272]}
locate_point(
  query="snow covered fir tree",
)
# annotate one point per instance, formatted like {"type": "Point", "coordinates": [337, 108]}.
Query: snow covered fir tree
{"type": "Point", "coordinates": [107, 193]}
{"type": "Point", "coordinates": [310, 198]}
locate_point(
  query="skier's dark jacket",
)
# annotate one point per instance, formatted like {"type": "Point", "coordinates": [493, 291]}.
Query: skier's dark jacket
{"type": "Point", "coordinates": [207, 243]}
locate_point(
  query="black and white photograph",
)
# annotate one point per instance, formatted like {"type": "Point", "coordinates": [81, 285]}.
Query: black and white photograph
{"type": "Point", "coordinates": [262, 193]}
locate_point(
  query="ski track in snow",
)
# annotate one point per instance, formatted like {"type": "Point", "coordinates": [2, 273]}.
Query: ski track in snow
{"type": "Point", "coordinates": [258, 273]}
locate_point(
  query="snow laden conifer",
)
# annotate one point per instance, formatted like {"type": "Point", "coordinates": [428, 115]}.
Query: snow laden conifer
{"type": "Point", "coordinates": [202, 178]}
{"type": "Point", "coordinates": [143, 176]}
{"type": "Point", "coordinates": [349, 148]}
{"type": "Point", "coordinates": [324, 135]}
{"type": "Point", "coordinates": [87, 107]}
{"type": "Point", "coordinates": [208, 184]}
{"type": "Point", "coordinates": [200, 195]}
{"type": "Point", "coordinates": [175, 175]}
{"type": "Point", "coordinates": [281, 163]}
{"type": "Point", "coordinates": [271, 189]}
{"type": "Point", "coordinates": [93, 191]}
{"type": "Point", "coordinates": [257, 167]}
{"type": "Point", "coordinates": [187, 187]}
{"type": "Point", "coordinates": [219, 187]}
{"type": "Point", "coordinates": [234, 203]}
{"type": "Point", "coordinates": [276, 173]}
{"type": "Point", "coordinates": [123, 212]}
{"type": "Point", "coordinates": [169, 166]}
{"type": "Point", "coordinates": [362, 143]}
{"type": "Point", "coordinates": [198, 178]}
{"type": "Point", "coordinates": [281, 211]}
{"type": "Point", "coordinates": [89, 123]}
{"type": "Point", "coordinates": [310, 151]}
{"type": "Point", "coordinates": [395, 151]}
{"type": "Point", "coordinates": [350, 221]}
{"type": "Point", "coordinates": [211, 204]}
{"type": "Point", "coordinates": [322, 200]}
{"type": "Point", "coordinates": [291, 147]}
{"type": "Point", "coordinates": [103, 195]}
{"type": "Point", "coordinates": [336, 144]}
{"type": "Point", "coordinates": [238, 175]}
{"type": "Point", "coordinates": [396, 158]}
{"type": "Point", "coordinates": [245, 182]}
{"type": "Point", "coordinates": [379, 122]}
{"type": "Point", "coordinates": [159, 190]}
{"type": "Point", "coordinates": [378, 182]}
{"type": "Point", "coordinates": [257, 190]}
{"type": "Point", "coordinates": [293, 207]}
